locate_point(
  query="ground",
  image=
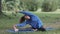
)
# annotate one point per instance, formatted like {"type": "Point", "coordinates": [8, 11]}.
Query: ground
{"type": "Point", "coordinates": [49, 20]}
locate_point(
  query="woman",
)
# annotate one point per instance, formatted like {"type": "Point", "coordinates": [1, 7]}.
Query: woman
{"type": "Point", "coordinates": [31, 19]}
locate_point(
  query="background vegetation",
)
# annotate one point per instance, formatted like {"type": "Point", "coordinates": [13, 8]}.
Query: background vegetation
{"type": "Point", "coordinates": [47, 10]}
{"type": "Point", "coordinates": [31, 5]}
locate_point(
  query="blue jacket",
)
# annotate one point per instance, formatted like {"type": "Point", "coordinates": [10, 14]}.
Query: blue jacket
{"type": "Point", "coordinates": [34, 20]}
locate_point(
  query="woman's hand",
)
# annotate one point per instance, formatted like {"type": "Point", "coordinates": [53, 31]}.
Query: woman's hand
{"type": "Point", "coordinates": [16, 30]}
{"type": "Point", "coordinates": [17, 11]}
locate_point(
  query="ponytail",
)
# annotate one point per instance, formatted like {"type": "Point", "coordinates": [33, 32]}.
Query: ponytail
{"type": "Point", "coordinates": [22, 19]}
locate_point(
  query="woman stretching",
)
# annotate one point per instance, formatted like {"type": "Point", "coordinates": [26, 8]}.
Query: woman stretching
{"type": "Point", "coordinates": [31, 19]}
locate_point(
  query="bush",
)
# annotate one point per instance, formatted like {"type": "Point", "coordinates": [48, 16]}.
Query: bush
{"type": "Point", "coordinates": [48, 6]}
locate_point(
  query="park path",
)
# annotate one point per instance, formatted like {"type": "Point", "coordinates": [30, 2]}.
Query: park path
{"type": "Point", "coordinates": [53, 25]}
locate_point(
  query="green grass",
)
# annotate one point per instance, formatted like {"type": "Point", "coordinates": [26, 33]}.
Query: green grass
{"type": "Point", "coordinates": [49, 19]}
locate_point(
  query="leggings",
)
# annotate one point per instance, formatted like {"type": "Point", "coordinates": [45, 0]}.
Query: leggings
{"type": "Point", "coordinates": [40, 29]}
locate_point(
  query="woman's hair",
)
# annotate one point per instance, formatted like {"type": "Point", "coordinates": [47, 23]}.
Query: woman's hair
{"type": "Point", "coordinates": [22, 19]}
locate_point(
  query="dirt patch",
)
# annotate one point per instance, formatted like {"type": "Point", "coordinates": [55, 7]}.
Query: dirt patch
{"type": "Point", "coordinates": [53, 25]}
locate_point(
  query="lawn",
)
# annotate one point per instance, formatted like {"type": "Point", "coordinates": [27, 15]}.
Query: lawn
{"type": "Point", "coordinates": [49, 20]}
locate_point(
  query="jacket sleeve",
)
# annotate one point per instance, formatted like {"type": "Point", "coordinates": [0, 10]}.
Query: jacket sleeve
{"type": "Point", "coordinates": [26, 13]}
{"type": "Point", "coordinates": [22, 24]}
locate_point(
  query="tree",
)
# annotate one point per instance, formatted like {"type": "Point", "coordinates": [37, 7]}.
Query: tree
{"type": "Point", "coordinates": [0, 8]}
{"type": "Point", "coordinates": [49, 5]}
{"type": "Point", "coordinates": [30, 5]}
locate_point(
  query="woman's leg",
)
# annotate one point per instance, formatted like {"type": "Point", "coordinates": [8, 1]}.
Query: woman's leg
{"type": "Point", "coordinates": [27, 29]}
{"type": "Point", "coordinates": [41, 29]}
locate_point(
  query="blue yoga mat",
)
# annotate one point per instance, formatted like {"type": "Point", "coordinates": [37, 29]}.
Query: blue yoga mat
{"type": "Point", "coordinates": [26, 30]}
{"type": "Point", "coordinates": [49, 28]}
{"type": "Point", "coordinates": [30, 30]}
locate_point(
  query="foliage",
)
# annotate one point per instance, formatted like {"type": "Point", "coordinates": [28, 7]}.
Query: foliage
{"type": "Point", "coordinates": [49, 5]}
{"type": "Point", "coordinates": [31, 5]}
{"type": "Point", "coordinates": [9, 5]}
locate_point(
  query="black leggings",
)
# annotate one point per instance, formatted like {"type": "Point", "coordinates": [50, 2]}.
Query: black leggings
{"type": "Point", "coordinates": [40, 29]}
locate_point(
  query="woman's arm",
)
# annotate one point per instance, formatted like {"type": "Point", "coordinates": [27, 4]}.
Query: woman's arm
{"type": "Point", "coordinates": [25, 12]}
{"type": "Point", "coordinates": [20, 25]}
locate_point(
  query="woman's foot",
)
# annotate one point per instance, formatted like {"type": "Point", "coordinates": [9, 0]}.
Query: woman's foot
{"type": "Point", "coordinates": [34, 29]}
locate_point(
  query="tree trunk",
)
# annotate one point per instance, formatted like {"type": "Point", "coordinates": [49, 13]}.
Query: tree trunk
{"type": "Point", "coordinates": [0, 8]}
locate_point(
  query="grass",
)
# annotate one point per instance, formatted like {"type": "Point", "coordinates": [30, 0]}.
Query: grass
{"type": "Point", "coordinates": [49, 19]}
